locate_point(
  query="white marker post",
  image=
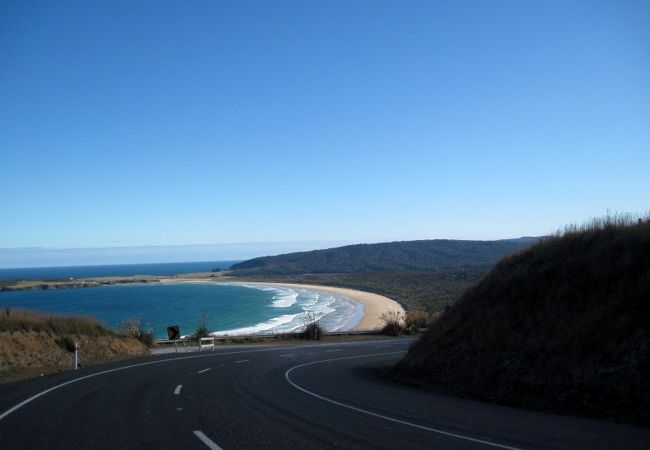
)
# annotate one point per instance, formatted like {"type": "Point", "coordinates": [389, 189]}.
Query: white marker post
{"type": "Point", "coordinates": [76, 356]}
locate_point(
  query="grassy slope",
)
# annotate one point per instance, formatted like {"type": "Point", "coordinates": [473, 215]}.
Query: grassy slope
{"type": "Point", "coordinates": [33, 343]}
{"type": "Point", "coordinates": [562, 326]}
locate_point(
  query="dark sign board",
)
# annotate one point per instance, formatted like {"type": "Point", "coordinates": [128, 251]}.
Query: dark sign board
{"type": "Point", "coordinates": [174, 332]}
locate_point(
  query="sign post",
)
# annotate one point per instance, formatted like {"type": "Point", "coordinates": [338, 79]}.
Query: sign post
{"type": "Point", "coordinates": [174, 333]}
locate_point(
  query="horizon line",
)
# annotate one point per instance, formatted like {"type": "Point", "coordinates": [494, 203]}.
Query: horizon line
{"type": "Point", "coordinates": [249, 243]}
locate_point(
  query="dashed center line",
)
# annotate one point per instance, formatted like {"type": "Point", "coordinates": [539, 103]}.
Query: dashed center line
{"type": "Point", "coordinates": [287, 355]}
{"type": "Point", "coordinates": [206, 440]}
{"type": "Point", "coordinates": [242, 361]}
{"type": "Point", "coordinates": [178, 389]}
{"type": "Point", "coordinates": [335, 350]}
{"type": "Point", "coordinates": [203, 371]}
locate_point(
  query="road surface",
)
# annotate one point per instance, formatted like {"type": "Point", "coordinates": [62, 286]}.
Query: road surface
{"type": "Point", "coordinates": [299, 396]}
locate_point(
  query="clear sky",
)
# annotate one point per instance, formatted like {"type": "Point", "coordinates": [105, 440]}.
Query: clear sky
{"type": "Point", "coordinates": [217, 122]}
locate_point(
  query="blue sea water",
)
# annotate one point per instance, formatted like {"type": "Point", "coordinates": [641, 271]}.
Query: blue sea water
{"type": "Point", "coordinates": [113, 270]}
{"type": "Point", "coordinates": [228, 309]}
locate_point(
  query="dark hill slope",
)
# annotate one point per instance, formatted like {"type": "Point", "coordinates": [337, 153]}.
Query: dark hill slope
{"type": "Point", "coordinates": [392, 256]}
{"type": "Point", "coordinates": [562, 326]}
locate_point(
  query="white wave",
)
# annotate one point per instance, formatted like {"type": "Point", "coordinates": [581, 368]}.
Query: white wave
{"type": "Point", "coordinates": [321, 307]}
{"type": "Point", "coordinates": [275, 322]}
{"type": "Point", "coordinates": [285, 299]}
{"type": "Point", "coordinates": [308, 298]}
{"type": "Point", "coordinates": [333, 312]}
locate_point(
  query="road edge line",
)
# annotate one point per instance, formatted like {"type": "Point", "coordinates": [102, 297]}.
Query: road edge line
{"type": "Point", "coordinates": [206, 440]}
{"type": "Point", "coordinates": [381, 416]}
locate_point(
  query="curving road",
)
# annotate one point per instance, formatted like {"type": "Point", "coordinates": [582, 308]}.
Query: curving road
{"type": "Point", "coordinates": [284, 397]}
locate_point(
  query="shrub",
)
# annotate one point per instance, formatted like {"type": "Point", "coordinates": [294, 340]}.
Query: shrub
{"type": "Point", "coordinates": [202, 329]}
{"type": "Point", "coordinates": [394, 323]}
{"type": "Point", "coordinates": [132, 328]}
{"type": "Point", "coordinates": [66, 343]}
{"type": "Point", "coordinates": [312, 331]}
{"type": "Point", "coordinates": [415, 320]}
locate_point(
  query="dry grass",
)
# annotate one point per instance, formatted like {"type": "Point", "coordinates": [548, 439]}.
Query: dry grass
{"type": "Point", "coordinates": [33, 343]}
{"type": "Point", "coordinates": [12, 319]}
{"type": "Point", "coordinates": [562, 326]}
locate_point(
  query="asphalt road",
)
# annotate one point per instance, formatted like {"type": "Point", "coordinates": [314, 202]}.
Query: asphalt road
{"type": "Point", "coordinates": [276, 397]}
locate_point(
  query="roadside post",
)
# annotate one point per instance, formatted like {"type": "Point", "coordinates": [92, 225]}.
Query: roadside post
{"type": "Point", "coordinates": [76, 355]}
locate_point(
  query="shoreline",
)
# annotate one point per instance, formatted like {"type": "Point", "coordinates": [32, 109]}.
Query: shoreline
{"type": "Point", "coordinates": [374, 305]}
{"type": "Point", "coordinates": [371, 306]}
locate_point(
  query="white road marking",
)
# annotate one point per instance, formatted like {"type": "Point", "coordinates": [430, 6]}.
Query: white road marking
{"type": "Point", "coordinates": [206, 440]}
{"type": "Point", "coordinates": [381, 416]}
{"type": "Point", "coordinates": [203, 371]}
{"type": "Point", "coordinates": [336, 350]}
{"type": "Point", "coordinates": [149, 363]}
{"type": "Point", "coordinates": [242, 361]}
{"type": "Point", "coordinates": [382, 346]}
{"type": "Point", "coordinates": [178, 389]}
{"type": "Point", "coordinates": [119, 369]}
{"type": "Point", "coordinates": [287, 355]}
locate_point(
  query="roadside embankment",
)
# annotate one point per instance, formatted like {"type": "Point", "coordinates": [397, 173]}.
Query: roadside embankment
{"type": "Point", "coordinates": [32, 343]}
{"type": "Point", "coordinates": [563, 326]}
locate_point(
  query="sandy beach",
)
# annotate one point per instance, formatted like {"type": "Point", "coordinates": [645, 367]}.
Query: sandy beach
{"type": "Point", "coordinates": [374, 305]}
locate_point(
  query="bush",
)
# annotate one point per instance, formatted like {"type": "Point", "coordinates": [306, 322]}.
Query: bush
{"type": "Point", "coordinates": [202, 329]}
{"type": "Point", "coordinates": [66, 343]}
{"type": "Point", "coordinates": [394, 323]}
{"type": "Point", "coordinates": [132, 328]}
{"type": "Point", "coordinates": [415, 320]}
{"type": "Point", "coordinates": [313, 331]}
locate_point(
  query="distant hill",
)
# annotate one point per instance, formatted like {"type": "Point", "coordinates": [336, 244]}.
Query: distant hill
{"type": "Point", "coordinates": [423, 255]}
{"type": "Point", "coordinates": [562, 326]}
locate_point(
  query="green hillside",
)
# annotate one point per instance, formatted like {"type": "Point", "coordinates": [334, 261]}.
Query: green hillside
{"type": "Point", "coordinates": [563, 326]}
{"type": "Point", "coordinates": [425, 255]}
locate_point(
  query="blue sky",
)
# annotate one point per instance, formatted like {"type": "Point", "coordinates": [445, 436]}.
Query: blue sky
{"type": "Point", "coordinates": [200, 122]}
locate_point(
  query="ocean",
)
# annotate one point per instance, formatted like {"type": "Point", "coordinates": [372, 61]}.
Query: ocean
{"type": "Point", "coordinates": [226, 309]}
{"type": "Point", "coordinates": [115, 270]}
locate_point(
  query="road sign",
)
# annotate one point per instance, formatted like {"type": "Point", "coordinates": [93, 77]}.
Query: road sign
{"type": "Point", "coordinates": [174, 332]}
